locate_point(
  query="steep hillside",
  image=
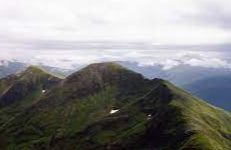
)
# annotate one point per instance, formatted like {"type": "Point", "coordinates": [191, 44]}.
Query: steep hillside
{"type": "Point", "coordinates": [106, 106]}
{"type": "Point", "coordinates": [5, 83]}
{"type": "Point", "coordinates": [20, 91]}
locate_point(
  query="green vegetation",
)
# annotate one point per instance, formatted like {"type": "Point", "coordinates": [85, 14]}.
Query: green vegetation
{"type": "Point", "coordinates": [21, 91]}
{"type": "Point", "coordinates": [75, 113]}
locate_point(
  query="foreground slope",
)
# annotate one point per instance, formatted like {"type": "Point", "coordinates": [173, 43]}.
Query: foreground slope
{"type": "Point", "coordinates": [106, 106]}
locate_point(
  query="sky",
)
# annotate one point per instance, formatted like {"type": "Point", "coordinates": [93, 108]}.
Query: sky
{"type": "Point", "coordinates": [69, 32]}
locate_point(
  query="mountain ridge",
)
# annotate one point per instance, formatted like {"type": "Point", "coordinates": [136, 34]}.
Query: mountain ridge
{"type": "Point", "coordinates": [20, 91]}
{"type": "Point", "coordinates": [147, 114]}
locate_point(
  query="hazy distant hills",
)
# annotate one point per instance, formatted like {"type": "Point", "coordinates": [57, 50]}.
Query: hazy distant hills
{"type": "Point", "coordinates": [216, 90]}
{"type": "Point", "coordinates": [10, 67]}
{"type": "Point", "coordinates": [180, 75]}
{"type": "Point", "coordinates": [106, 106]}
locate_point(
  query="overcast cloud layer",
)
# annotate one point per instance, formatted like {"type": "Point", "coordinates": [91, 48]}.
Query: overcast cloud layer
{"type": "Point", "coordinates": [158, 21]}
{"type": "Point", "coordinates": [69, 32]}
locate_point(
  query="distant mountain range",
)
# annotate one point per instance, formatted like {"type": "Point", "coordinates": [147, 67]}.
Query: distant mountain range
{"type": "Point", "coordinates": [106, 106]}
{"type": "Point", "coordinates": [180, 75]}
{"type": "Point", "coordinates": [216, 90]}
{"type": "Point", "coordinates": [10, 67]}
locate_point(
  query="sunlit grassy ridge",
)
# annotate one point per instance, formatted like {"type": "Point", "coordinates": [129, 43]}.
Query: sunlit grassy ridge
{"type": "Point", "coordinates": [22, 90]}
{"type": "Point", "coordinates": [152, 114]}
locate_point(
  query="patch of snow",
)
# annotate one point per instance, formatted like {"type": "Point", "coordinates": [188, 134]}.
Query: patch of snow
{"type": "Point", "coordinates": [114, 111]}
{"type": "Point", "coordinates": [149, 117]}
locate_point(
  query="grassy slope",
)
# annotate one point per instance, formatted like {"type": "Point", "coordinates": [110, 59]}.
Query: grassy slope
{"type": "Point", "coordinates": [210, 124]}
{"type": "Point", "coordinates": [21, 91]}
{"type": "Point", "coordinates": [75, 115]}
{"type": "Point", "coordinates": [68, 111]}
{"type": "Point", "coordinates": [61, 121]}
{"type": "Point", "coordinates": [184, 122]}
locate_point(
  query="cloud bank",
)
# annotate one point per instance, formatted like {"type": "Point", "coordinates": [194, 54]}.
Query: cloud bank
{"type": "Point", "coordinates": [168, 59]}
{"type": "Point", "coordinates": [69, 33]}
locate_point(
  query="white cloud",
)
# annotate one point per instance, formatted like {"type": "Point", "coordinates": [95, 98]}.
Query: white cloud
{"type": "Point", "coordinates": [55, 32]}
{"type": "Point", "coordinates": [158, 21]}
{"type": "Point", "coordinates": [168, 59]}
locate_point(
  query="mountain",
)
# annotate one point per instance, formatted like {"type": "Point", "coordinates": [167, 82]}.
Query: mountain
{"type": "Point", "coordinates": [106, 106]}
{"type": "Point", "coordinates": [215, 90]}
{"type": "Point", "coordinates": [60, 72]}
{"type": "Point", "coordinates": [20, 91]}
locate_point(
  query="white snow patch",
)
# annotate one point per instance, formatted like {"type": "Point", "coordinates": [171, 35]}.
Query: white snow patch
{"type": "Point", "coordinates": [149, 117]}
{"type": "Point", "coordinates": [114, 111]}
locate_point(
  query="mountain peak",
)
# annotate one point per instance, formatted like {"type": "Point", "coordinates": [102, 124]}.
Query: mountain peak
{"type": "Point", "coordinates": [107, 71]}
{"type": "Point", "coordinates": [105, 67]}
{"type": "Point", "coordinates": [34, 70]}
{"type": "Point", "coordinates": [30, 81]}
{"type": "Point", "coordinates": [99, 76]}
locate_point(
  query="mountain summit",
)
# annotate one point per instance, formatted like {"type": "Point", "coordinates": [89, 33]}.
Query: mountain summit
{"type": "Point", "coordinates": [99, 76]}
{"type": "Point", "coordinates": [103, 74]}
{"type": "Point", "coordinates": [25, 83]}
{"type": "Point", "coordinates": [106, 106]}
